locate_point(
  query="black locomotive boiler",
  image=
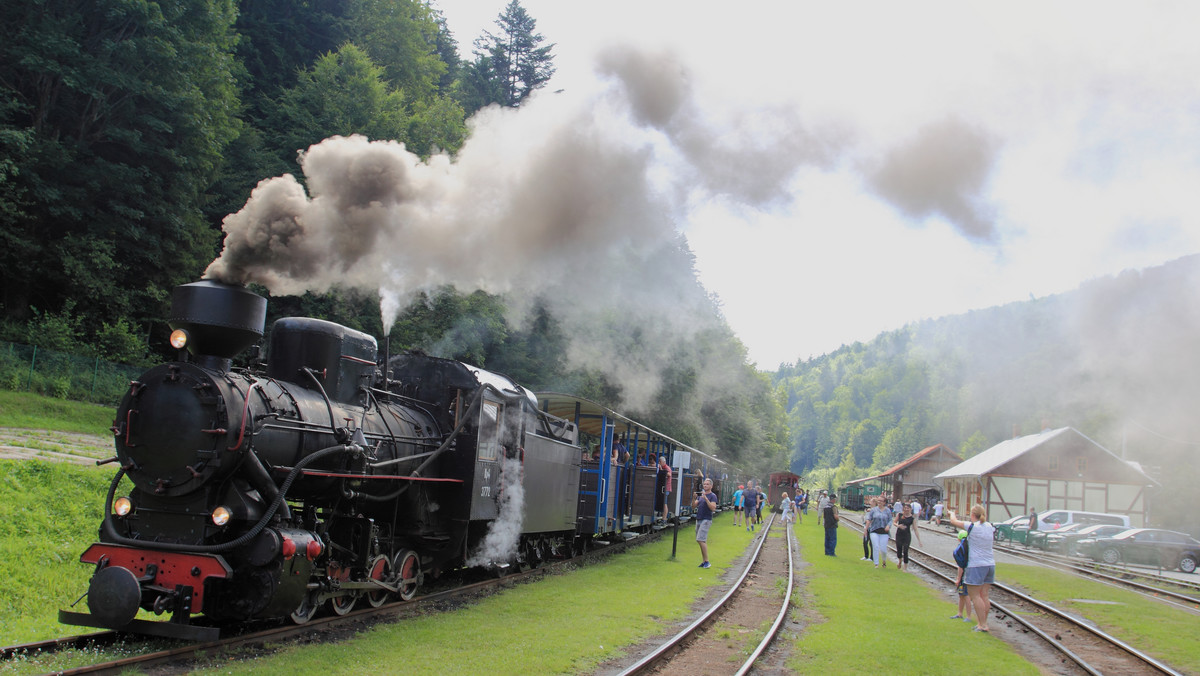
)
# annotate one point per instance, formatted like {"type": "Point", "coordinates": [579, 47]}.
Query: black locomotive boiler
{"type": "Point", "coordinates": [328, 477]}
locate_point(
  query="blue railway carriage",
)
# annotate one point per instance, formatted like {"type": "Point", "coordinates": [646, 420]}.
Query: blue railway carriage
{"type": "Point", "coordinates": [620, 488]}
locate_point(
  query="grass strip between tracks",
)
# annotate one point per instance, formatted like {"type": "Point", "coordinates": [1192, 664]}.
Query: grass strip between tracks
{"type": "Point", "coordinates": [563, 624]}
{"type": "Point", "coordinates": [1164, 632]}
{"type": "Point", "coordinates": [861, 619]}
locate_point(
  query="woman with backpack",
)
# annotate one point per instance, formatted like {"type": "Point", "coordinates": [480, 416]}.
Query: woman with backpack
{"type": "Point", "coordinates": [981, 564]}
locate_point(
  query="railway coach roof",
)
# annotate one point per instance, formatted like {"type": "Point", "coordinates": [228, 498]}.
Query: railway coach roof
{"type": "Point", "coordinates": [591, 416]}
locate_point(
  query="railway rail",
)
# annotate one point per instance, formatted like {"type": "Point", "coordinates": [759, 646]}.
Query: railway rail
{"type": "Point", "coordinates": [276, 634]}
{"type": "Point", "coordinates": [1092, 650]}
{"type": "Point", "coordinates": [676, 647]}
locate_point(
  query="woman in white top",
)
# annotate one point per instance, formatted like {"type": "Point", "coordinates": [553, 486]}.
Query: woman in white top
{"type": "Point", "coordinates": [981, 564]}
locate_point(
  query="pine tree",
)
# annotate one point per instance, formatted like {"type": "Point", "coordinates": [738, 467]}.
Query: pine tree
{"type": "Point", "coordinates": [508, 65]}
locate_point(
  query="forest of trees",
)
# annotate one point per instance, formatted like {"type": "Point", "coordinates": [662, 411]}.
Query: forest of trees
{"type": "Point", "coordinates": [129, 129]}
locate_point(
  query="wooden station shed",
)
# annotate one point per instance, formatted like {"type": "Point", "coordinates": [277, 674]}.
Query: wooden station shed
{"type": "Point", "coordinates": [1054, 469]}
{"type": "Point", "coordinates": [911, 478]}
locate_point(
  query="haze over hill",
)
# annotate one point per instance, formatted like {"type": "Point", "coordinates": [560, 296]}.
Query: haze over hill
{"type": "Point", "coordinates": [1115, 359]}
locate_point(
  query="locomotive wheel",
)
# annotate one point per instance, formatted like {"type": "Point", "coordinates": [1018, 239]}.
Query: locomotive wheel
{"type": "Point", "coordinates": [380, 569]}
{"type": "Point", "coordinates": [344, 602]}
{"type": "Point", "coordinates": [308, 608]}
{"type": "Point", "coordinates": [408, 571]}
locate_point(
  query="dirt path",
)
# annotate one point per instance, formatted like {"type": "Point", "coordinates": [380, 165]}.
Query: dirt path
{"type": "Point", "coordinates": [57, 446]}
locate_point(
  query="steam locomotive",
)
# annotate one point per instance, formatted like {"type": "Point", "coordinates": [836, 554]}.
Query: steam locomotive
{"type": "Point", "coordinates": [328, 478]}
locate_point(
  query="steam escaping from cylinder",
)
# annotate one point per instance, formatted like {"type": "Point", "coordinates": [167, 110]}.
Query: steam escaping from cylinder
{"type": "Point", "coordinates": [499, 546]}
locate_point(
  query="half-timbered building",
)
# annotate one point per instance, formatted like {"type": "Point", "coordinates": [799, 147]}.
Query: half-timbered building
{"type": "Point", "coordinates": [1054, 469]}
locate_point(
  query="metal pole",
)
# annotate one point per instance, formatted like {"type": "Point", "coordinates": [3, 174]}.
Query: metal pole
{"type": "Point", "coordinates": [32, 361]}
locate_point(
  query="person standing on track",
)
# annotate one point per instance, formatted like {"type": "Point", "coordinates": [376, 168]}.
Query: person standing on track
{"type": "Point", "coordinates": [831, 518]}
{"type": "Point", "coordinates": [705, 503]}
{"type": "Point", "coordinates": [785, 505]}
{"type": "Point", "coordinates": [981, 563]}
{"type": "Point", "coordinates": [906, 527]}
{"type": "Point", "coordinates": [749, 499]}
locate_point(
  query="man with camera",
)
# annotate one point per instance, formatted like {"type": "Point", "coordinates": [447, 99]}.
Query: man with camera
{"type": "Point", "coordinates": [704, 502]}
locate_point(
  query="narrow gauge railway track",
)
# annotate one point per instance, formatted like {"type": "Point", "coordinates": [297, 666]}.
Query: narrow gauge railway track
{"type": "Point", "coordinates": [1093, 650]}
{"type": "Point", "coordinates": [1115, 574]}
{"type": "Point", "coordinates": [183, 654]}
{"type": "Point", "coordinates": [675, 649]}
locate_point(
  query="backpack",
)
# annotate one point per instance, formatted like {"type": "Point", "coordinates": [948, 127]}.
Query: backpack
{"type": "Point", "coordinates": [962, 553]}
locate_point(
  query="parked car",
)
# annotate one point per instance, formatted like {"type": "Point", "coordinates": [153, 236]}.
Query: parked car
{"type": "Point", "coordinates": [1012, 529]}
{"type": "Point", "coordinates": [1040, 538]}
{"type": "Point", "coordinates": [1066, 541]}
{"type": "Point", "coordinates": [1053, 519]}
{"type": "Point", "coordinates": [1149, 546]}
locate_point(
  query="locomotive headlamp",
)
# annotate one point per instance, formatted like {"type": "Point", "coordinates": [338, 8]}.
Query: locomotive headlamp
{"type": "Point", "coordinates": [221, 516]}
{"type": "Point", "coordinates": [123, 506]}
{"type": "Point", "coordinates": [179, 338]}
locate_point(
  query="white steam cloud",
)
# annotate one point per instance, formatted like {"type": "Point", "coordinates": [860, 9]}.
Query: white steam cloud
{"type": "Point", "coordinates": [499, 546]}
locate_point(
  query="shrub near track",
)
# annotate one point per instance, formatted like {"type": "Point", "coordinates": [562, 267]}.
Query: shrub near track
{"type": "Point", "coordinates": [563, 624]}
{"type": "Point", "coordinates": [863, 620]}
{"type": "Point", "coordinates": [1163, 631]}
{"type": "Point", "coordinates": [49, 513]}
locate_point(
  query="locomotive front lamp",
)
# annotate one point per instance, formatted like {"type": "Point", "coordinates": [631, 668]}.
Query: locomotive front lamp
{"type": "Point", "coordinates": [123, 506]}
{"type": "Point", "coordinates": [179, 338]}
{"type": "Point", "coordinates": [221, 516]}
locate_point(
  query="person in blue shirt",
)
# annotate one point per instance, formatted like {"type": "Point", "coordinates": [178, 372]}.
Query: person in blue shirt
{"type": "Point", "coordinates": [737, 505]}
{"type": "Point", "coordinates": [704, 503]}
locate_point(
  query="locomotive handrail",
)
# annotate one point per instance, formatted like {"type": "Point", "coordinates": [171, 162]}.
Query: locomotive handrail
{"type": "Point", "coordinates": [111, 530]}
{"type": "Point", "coordinates": [328, 406]}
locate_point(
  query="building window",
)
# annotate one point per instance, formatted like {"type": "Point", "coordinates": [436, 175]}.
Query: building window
{"type": "Point", "coordinates": [1081, 465]}
{"type": "Point", "coordinates": [1054, 463]}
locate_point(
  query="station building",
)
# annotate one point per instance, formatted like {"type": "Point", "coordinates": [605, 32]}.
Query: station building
{"type": "Point", "coordinates": [1054, 469]}
{"type": "Point", "coordinates": [908, 479]}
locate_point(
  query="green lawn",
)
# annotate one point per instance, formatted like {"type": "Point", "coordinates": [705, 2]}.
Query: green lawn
{"type": "Point", "coordinates": [564, 624]}
{"type": "Point", "coordinates": [884, 621]}
{"type": "Point", "coordinates": [26, 410]}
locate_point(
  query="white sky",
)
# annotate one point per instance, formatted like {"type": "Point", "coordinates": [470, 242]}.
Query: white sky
{"type": "Point", "coordinates": [1093, 109]}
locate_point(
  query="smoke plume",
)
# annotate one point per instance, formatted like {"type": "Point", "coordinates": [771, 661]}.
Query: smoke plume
{"type": "Point", "coordinates": [574, 200]}
{"type": "Point", "coordinates": [942, 171]}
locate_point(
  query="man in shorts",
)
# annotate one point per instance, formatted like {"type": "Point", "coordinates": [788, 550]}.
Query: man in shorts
{"type": "Point", "coordinates": [705, 504]}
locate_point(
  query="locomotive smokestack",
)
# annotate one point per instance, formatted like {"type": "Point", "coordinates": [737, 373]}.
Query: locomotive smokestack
{"type": "Point", "coordinates": [221, 320]}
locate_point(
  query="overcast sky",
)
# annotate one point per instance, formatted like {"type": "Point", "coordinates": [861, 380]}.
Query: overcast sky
{"type": "Point", "coordinates": [958, 155]}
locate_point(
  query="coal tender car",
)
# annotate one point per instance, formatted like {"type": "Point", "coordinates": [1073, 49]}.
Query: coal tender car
{"type": "Point", "coordinates": [323, 479]}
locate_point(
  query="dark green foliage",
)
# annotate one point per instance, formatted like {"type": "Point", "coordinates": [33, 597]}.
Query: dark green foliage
{"type": "Point", "coordinates": [120, 112]}
{"type": "Point", "coordinates": [508, 65]}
